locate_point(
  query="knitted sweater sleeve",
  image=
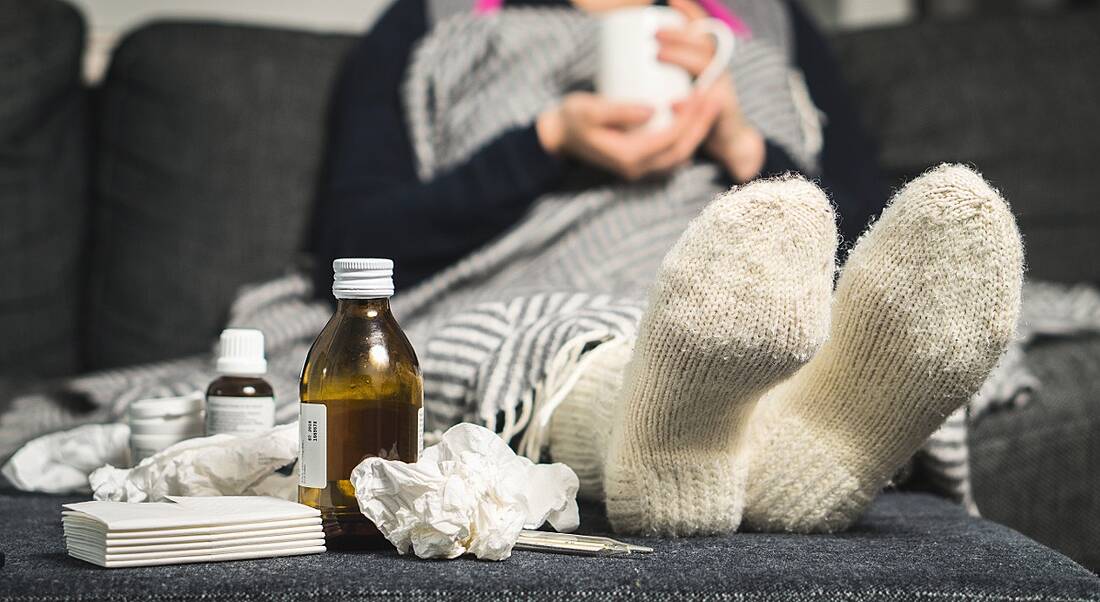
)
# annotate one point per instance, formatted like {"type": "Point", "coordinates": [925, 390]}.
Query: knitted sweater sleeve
{"type": "Point", "coordinates": [371, 202]}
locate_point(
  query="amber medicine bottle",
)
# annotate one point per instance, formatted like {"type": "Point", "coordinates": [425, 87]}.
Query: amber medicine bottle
{"type": "Point", "coordinates": [240, 402]}
{"type": "Point", "coordinates": [361, 395]}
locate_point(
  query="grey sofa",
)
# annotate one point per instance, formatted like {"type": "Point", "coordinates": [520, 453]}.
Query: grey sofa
{"type": "Point", "coordinates": [132, 212]}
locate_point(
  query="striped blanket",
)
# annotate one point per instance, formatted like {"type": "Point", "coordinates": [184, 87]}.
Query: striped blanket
{"type": "Point", "coordinates": [500, 331]}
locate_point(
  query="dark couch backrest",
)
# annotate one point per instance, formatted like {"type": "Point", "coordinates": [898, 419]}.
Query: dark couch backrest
{"type": "Point", "coordinates": [1015, 97]}
{"type": "Point", "coordinates": [210, 138]}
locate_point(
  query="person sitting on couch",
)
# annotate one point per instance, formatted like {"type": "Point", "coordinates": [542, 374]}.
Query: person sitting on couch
{"type": "Point", "coordinates": [750, 394]}
{"type": "Point", "coordinates": [371, 190]}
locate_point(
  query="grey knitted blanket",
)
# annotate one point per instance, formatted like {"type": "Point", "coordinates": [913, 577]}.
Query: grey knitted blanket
{"type": "Point", "coordinates": [499, 332]}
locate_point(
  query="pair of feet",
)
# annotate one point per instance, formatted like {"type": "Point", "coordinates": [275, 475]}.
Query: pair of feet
{"type": "Point", "coordinates": [757, 395]}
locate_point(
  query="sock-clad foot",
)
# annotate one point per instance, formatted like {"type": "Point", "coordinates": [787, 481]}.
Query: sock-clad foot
{"type": "Point", "coordinates": [580, 428]}
{"type": "Point", "coordinates": [924, 307]}
{"type": "Point", "coordinates": [739, 303]}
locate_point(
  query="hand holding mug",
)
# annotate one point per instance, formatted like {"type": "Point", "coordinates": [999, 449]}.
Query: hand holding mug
{"type": "Point", "coordinates": [629, 69]}
{"type": "Point", "coordinates": [608, 133]}
{"type": "Point", "coordinates": [732, 141]}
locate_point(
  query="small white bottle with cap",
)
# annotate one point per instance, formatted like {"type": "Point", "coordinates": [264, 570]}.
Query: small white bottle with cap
{"type": "Point", "coordinates": [240, 401]}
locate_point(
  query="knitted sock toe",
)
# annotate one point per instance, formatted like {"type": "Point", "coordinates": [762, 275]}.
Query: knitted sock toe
{"type": "Point", "coordinates": [925, 305]}
{"type": "Point", "coordinates": [739, 303]}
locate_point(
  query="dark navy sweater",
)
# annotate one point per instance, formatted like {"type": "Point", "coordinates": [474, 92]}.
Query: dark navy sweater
{"type": "Point", "coordinates": [372, 204]}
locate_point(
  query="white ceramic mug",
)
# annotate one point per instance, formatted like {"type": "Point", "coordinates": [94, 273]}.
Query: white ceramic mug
{"type": "Point", "coordinates": [629, 69]}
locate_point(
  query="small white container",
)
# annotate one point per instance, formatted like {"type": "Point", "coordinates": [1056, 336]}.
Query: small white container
{"type": "Point", "coordinates": [192, 426]}
{"type": "Point", "coordinates": [158, 423]}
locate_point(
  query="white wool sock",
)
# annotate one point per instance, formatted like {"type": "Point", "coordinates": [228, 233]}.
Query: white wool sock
{"type": "Point", "coordinates": [925, 305]}
{"type": "Point", "coordinates": [580, 429]}
{"type": "Point", "coordinates": [739, 303]}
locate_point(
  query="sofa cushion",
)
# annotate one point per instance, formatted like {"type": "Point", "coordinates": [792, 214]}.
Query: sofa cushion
{"type": "Point", "coordinates": [210, 139]}
{"type": "Point", "coordinates": [908, 547]}
{"type": "Point", "coordinates": [1037, 468]}
{"type": "Point", "coordinates": [1013, 96]}
{"type": "Point", "coordinates": [43, 170]}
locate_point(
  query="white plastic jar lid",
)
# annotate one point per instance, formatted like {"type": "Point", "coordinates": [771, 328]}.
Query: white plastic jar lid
{"type": "Point", "coordinates": [192, 425]}
{"type": "Point", "coordinates": [167, 407]}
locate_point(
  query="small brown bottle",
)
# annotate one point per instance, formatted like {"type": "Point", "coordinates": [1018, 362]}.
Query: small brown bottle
{"type": "Point", "coordinates": [362, 395]}
{"type": "Point", "coordinates": [240, 401]}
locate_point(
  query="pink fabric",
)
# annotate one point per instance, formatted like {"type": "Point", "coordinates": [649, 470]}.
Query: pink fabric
{"type": "Point", "coordinates": [714, 8]}
{"type": "Point", "coordinates": [487, 6]}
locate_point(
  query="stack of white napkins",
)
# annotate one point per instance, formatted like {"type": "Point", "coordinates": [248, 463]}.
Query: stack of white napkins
{"type": "Point", "coordinates": [190, 529]}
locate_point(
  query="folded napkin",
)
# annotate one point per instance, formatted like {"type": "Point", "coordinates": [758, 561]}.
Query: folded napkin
{"type": "Point", "coordinates": [190, 529]}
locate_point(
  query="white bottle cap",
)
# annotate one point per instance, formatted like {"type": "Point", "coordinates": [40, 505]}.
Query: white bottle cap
{"type": "Point", "coordinates": [242, 352]}
{"type": "Point", "coordinates": [362, 278]}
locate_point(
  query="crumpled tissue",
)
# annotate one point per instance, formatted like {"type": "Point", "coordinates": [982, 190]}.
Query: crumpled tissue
{"type": "Point", "coordinates": [60, 462]}
{"type": "Point", "coordinates": [204, 466]}
{"type": "Point", "coordinates": [470, 493]}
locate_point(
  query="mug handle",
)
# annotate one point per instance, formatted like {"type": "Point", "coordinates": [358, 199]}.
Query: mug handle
{"type": "Point", "coordinates": [723, 51]}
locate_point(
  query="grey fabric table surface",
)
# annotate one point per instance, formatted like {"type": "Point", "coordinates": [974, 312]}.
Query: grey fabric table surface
{"type": "Point", "coordinates": [908, 547]}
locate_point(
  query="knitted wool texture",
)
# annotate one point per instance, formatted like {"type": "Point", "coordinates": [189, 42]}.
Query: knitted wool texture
{"type": "Point", "coordinates": [926, 304]}
{"type": "Point", "coordinates": [580, 429]}
{"type": "Point", "coordinates": [739, 303]}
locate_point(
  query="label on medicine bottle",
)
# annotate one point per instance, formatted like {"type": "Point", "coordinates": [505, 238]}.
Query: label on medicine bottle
{"type": "Point", "coordinates": [239, 415]}
{"type": "Point", "coordinates": [312, 445]}
{"type": "Point", "coordinates": [419, 432]}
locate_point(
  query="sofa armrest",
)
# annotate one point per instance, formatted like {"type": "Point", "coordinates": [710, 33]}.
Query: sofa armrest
{"type": "Point", "coordinates": [43, 187]}
{"type": "Point", "coordinates": [1037, 468]}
